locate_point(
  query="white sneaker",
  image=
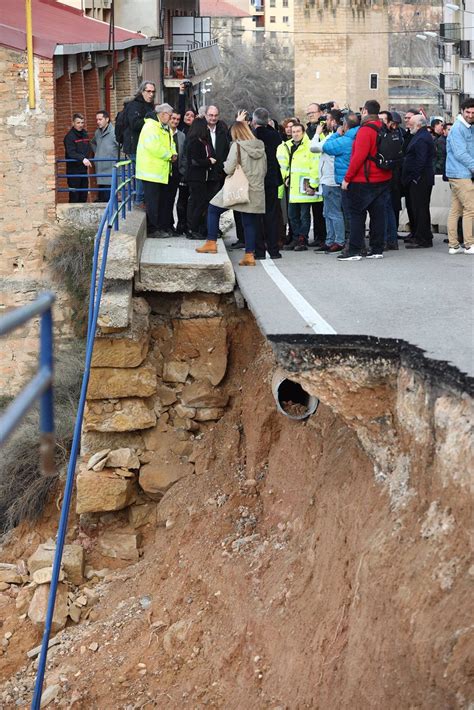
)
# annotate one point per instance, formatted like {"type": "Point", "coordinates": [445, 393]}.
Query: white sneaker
{"type": "Point", "coordinates": [470, 250]}
{"type": "Point", "coordinates": [456, 250]}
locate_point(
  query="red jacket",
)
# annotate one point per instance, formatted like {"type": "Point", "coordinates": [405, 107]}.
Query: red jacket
{"type": "Point", "coordinates": [365, 144]}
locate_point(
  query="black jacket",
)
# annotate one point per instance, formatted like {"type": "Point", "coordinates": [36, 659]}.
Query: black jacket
{"type": "Point", "coordinates": [271, 139]}
{"type": "Point", "coordinates": [419, 158]}
{"type": "Point", "coordinates": [220, 153]}
{"type": "Point", "coordinates": [198, 164]}
{"type": "Point", "coordinates": [76, 147]}
{"type": "Point", "coordinates": [135, 117]}
{"type": "Point", "coordinates": [440, 154]}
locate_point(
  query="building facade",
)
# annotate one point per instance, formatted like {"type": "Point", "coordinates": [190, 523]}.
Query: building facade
{"type": "Point", "coordinates": [340, 52]}
{"type": "Point", "coordinates": [456, 43]}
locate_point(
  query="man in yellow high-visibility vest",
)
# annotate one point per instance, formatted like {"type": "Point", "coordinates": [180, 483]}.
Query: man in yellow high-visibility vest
{"type": "Point", "coordinates": [155, 153]}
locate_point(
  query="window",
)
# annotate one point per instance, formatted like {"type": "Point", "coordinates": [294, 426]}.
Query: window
{"type": "Point", "coordinates": [373, 81]}
{"type": "Point", "coordinates": [272, 18]}
{"type": "Point", "coordinates": [285, 3]}
{"type": "Point", "coordinates": [286, 19]}
{"type": "Point", "coordinates": [272, 3]}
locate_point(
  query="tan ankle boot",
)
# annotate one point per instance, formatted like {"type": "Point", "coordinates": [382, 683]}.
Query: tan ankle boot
{"type": "Point", "coordinates": [248, 260]}
{"type": "Point", "coordinates": [209, 247]}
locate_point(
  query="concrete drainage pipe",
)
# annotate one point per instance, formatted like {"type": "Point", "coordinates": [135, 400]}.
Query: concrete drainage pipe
{"type": "Point", "coordinates": [291, 399]}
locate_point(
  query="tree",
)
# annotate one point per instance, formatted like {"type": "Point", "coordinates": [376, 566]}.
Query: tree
{"type": "Point", "coordinates": [254, 75]}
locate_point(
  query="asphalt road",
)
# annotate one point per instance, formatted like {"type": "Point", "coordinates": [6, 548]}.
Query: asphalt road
{"type": "Point", "coordinates": [422, 296]}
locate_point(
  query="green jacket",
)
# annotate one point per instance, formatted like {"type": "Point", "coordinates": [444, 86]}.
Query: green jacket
{"type": "Point", "coordinates": [304, 164]}
{"type": "Point", "coordinates": [154, 151]}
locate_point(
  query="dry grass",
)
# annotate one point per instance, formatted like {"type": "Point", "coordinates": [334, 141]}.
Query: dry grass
{"type": "Point", "coordinates": [23, 490]}
{"type": "Point", "coordinates": [70, 258]}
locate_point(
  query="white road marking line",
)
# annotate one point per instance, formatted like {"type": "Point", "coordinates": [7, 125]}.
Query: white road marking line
{"type": "Point", "coordinates": [300, 304]}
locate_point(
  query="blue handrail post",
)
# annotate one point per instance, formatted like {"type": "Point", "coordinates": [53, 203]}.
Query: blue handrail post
{"type": "Point", "coordinates": [114, 194]}
{"type": "Point", "coordinates": [47, 438]}
{"type": "Point", "coordinates": [130, 186]}
{"type": "Point", "coordinates": [124, 191]}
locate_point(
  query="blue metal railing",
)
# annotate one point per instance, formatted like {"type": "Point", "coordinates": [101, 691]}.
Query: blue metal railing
{"type": "Point", "coordinates": [123, 183]}
{"type": "Point", "coordinates": [98, 188]}
{"type": "Point", "coordinates": [41, 386]}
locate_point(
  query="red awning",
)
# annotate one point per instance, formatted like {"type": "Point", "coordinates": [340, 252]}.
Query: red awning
{"type": "Point", "coordinates": [59, 29]}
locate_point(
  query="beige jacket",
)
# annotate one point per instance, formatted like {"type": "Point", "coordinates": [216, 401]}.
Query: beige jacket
{"type": "Point", "coordinates": [254, 165]}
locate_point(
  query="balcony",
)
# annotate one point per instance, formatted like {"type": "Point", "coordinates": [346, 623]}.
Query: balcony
{"type": "Point", "coordinates": [450, 31]}
{"type": "Point", "coordinates": [193, 64]}
{"type": "Point", "coordinates": [465, 49]}
{"type": "Point", "coordinates": [450, 83]}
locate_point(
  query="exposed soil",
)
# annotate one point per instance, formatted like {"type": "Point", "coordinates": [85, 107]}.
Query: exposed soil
{"type": "Point", "coordinates": [278, 576]}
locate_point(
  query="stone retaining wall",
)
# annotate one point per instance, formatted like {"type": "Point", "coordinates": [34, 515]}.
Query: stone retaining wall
{"type": "Point", "coordinates": [153, 387]}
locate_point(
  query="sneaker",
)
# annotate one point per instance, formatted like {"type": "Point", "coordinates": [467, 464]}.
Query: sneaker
{"type": "Point", "coordinates": [372, 255]}
{"type": "Point", "coordinates": [456, 250]}
{"type": "Point", "coordinates": [391, 246]}
{"type": "Point", "coordinates": [334, 248]}
{"type": "Point", "coordinates": [291, 245]}
{"type": "Point", "coordinates": [322, 247]}
{"type": "Point", "coordinates": [347, 256]}
{"type": "Point", "coordinates": [301, 245]}
{"type": "Point", "coordinates": [469, 250]}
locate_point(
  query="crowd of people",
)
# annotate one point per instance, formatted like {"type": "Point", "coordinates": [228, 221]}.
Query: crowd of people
{"type": "Point", "coordinates": [330, 171]}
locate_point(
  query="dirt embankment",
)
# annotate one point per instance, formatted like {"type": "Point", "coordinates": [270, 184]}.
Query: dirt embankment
{"type": "Point", "coordinates": [280, 575]}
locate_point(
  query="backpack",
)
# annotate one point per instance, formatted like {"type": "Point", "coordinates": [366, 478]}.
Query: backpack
{"type": "Point", "coordinates": [120, 124]}
{"type": "Point", "coordinates": [389, 147]}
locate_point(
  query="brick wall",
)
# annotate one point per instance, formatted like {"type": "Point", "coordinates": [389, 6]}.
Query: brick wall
{"type": "Point", "coordinates": [27, 195]}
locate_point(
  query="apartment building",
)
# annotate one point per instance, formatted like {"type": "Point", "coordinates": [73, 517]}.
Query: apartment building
{"type": "Point", "coordinates": [456, 46]}
{"type": "Point", "coordinates": [180, 46]}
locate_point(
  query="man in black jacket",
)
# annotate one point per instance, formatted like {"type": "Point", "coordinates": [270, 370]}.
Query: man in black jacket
{"type": "Point", "coordinates": [268, 233]}
{"type": "Point", "coordinates": [220, 142]}
{"type": "Point", "coordinates": [418, 179]}
{"type": "Point", "coordinates": [135, 117]}
{"type": "Point", "coordinates": [77, 148]}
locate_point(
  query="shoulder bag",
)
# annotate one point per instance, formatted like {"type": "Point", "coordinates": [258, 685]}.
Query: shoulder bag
{"type": "Point", "coordinates": [236, 186]}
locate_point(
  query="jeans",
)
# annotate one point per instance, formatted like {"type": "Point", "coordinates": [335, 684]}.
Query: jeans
{"type": "Point", "coordinates": [368, 197]}
{"type": "Point", "coordinates": [299, 214]}
{"type": "Point", "coordinates": [250, 223]}
{"type": "Point", "coordinates": [139, 189]}
{"type": "Point", "coordinates": [391, 229]}
{"type": "Point", "coordinates": [332, 211]}
{"type": "Point", "coordinates": [347, 214]}
{"type": "Point", "coordinates": [182, 207]}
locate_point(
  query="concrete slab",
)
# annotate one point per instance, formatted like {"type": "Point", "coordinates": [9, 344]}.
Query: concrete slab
{"type": "Point", "coordinates": [115, 305]}
{"type": "Point", "coordinates": [173, 265]}
{"type": "Point", "coordinates": [125, 246]}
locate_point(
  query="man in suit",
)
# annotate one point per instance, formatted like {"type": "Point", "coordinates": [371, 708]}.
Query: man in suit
{"type": "Point", "coordinates": [220, 142]}
{"type": "Point", "coordinates": [418, 180]}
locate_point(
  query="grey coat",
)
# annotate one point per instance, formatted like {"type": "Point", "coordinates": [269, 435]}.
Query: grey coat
{"type": "Point", "coordinates": [254, 165]}
{"type": "Point", "coordinates": [104, 145]}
